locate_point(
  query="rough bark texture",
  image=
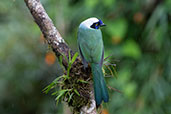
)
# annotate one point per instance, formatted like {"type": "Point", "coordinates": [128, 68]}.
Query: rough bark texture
{"type": "Point", "coordinates": [59, 47]}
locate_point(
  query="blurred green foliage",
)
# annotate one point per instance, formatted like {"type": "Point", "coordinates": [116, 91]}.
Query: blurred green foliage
{"type": "Point", "coordinates": [138, 35]}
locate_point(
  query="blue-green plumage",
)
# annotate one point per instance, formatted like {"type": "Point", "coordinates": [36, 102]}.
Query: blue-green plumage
{"type": "Point", "coordinates": [91, 49]}
{"type": "Point", "coordinates": [100, 88]}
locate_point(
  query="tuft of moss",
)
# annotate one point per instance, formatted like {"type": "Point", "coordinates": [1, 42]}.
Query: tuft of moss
{"type": "Point", "coordinates": [80, 90]}
{"type": "Point", "coordinates": [75, 85]}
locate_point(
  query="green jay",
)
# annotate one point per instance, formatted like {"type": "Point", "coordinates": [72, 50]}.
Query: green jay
{"type": "Point", "coordinates": [90, 44]}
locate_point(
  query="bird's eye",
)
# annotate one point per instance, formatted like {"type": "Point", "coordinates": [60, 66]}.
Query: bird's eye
{"type": "Point", "coordinates": [95, 25]}
{"type": "Point", "coordinates": [98, 24]}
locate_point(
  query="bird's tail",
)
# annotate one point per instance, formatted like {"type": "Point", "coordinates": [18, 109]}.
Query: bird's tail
{"type": "Point", "coordinates": [100, 88]}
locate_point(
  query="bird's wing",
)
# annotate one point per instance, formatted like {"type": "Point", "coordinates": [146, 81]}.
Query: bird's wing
{"type": "Point", "coordinates": [85, 63]}
{"type": "Point", "coordinates": [102, 58]}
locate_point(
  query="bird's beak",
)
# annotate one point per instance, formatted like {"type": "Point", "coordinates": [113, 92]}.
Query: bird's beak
{"type": "Point", "coordinates": [102, 25]}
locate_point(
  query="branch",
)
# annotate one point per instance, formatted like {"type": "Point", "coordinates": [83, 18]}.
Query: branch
{"type": "Point", "coordinates": [59, 47]}
{"type": "Point", "coordinates": [48, 29]}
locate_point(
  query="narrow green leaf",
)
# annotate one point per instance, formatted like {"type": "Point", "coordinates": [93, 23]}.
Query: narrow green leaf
{"type": "Point", "coordinates": [55, 93]}
{"type": "Point", "coordinates": [71, 62]}
{"type": "Point", "coordinates": [57, 101]}
{"type": "Point", "coordinates": [61, 93]}
{"type": "Point", "coordinates": [53, 84]}
{"type": "Point", "coordinates": [68, 70]}
{"type": "Point", "coordinates": [76, 92]}
{"type": "Point", "coordinates": [69, 56]}
{"type": "Point", "coordinates": [115, 73]}
{"type": "Point", "coordinates": [48, 88]}
{"type": "Point", "coordinates": [70, 97]}
{"type": "Point", "coordinates": [74, 57]}
{"type": "Point", "coordinates": [109, 70]}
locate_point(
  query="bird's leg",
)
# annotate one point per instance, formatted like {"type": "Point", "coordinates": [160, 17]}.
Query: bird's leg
{"type": "Point", "coordinates": [85, 64]}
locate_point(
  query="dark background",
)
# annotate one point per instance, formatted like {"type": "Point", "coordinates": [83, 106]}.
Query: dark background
{"type": "Point", "coordinates": [138, 35]}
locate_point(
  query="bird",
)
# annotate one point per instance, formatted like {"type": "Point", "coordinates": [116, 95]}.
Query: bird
{"type": "Point", "coordinates": [91, 49]}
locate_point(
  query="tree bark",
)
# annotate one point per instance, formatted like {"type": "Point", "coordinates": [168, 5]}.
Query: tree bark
{"type": "Point", "coordinates": [59, 47]}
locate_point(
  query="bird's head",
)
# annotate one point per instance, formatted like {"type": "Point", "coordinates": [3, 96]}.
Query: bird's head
{"type": "Point", "coordinates": [92, 23]}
